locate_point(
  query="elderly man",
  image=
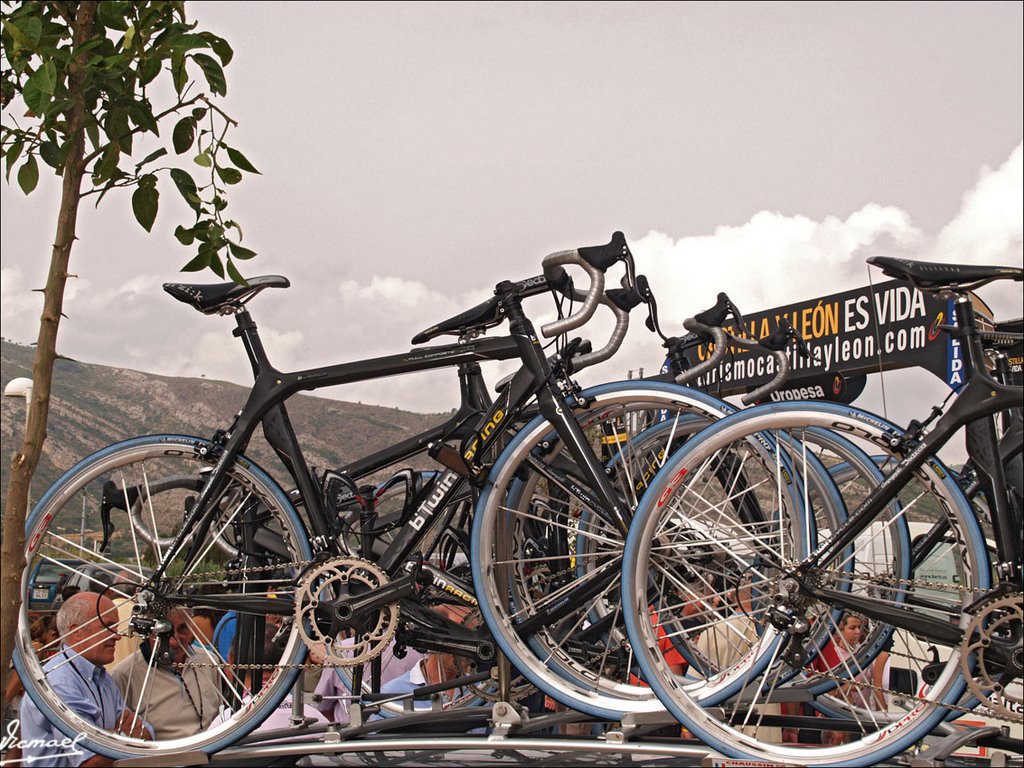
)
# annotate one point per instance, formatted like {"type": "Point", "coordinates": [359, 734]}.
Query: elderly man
{"type": "Point", "coordinates": [76, 673]}
{"type": "Point", "coordinates": [178, 701]}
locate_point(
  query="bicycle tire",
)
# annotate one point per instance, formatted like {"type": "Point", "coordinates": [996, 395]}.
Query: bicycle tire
{"type": "Point", "coordinates": [134, 466]}
{"type": "Point", "coordinates": [503, 518]}
{"type": "Point", "coordinates": [879, 737]}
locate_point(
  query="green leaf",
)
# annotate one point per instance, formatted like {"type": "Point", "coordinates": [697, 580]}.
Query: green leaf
{"type": "Point", "coordinates": [215, 263]}
{"type": "Point", "coordinates": [184, 134]}
{"type": "Point", "coordinates": [17, 34]}
{"type": "Point", "coordinates": [141, 113]}
{"type": "Point", "coordinates": [151, 157]}
{"type": "Point", "coordinates": [145, 202]}
{"type": "Point", "coordinates": [35, 99]}
{"type": "Point", "coordinates": [238, 252]}
{"type": "Point", "coordinates": [107, 165]}
{"type": "Point", "coordinates": [203, 160]}
{"type": "Point", "coordinates": [93, 132]}
{"type": "Point", "coordinates": [213, 72]}
{"type": "Point", "coordinates": [185, 43]}
{"type": "Point", "coordinates": [240, 160]}
{"type": "Point", "coordinates": [118, 129]}
{"type": "Point", "coordinates": [129, 36]}
{"type": "Point", "coordinates": [149, 68]}
{"type": "Point", "coordinates": [28, 175]}
{"type": "Point", "coordinates": [45, 78]}
{"type": "Point", "coordinates": [109, 186]}
{"type": "Point", "coordinates": [219, 46]}
{"type": "Point", "coordinates": [12, 155]}
{"type": "Point", "coordinates": [25, 31]}
{"type": "Point", "coordinates": [184, 235]}
{"type": "Point", "coordinates": [229, 175]}
{"type": "Point", "coordinates": [50, 154]}
{"type": "Point", "coordinates": [234, 274]}
{"type": "Point", "coordinates": [199, 113]}
{"type": "Point", "coordinates": [112, 15]}
{"type": "Point", "coordinates": [178, 72]}
{"type": "Point", "coordinates": [200, 262]}
{"type": "Point", "coordinates": [187, 187]}
{"type": "Point", "coordinates": [88, 45]}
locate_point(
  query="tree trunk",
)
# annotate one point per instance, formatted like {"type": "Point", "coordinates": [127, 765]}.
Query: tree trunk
{"type": "Point", "coordinates": [12, 553]}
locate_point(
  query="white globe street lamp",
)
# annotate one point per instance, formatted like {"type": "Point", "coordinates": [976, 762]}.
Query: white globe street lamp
{"type": "Point", "coordinates": [22, 387]}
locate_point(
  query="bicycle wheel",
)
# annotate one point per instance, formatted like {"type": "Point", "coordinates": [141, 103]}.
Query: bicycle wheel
{"type": "Point", "coordinates": [545, 563]}
{"type": "Point", "coordinates": [88, 523]}
{"type": "Point", "coordinates": [937, 585]}
{"type": "Point", "coordinates": [700, 610]}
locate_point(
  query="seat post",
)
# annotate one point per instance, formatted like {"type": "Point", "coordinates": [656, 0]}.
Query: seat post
{"type": "Point", "coordinates": [250, 337]}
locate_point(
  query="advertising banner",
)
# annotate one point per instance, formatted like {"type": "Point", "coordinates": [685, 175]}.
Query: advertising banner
{"type": "Point", "coordinates": [850, 334]}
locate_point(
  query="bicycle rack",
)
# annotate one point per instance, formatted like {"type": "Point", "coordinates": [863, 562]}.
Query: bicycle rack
{"type": "Point", "coordinates": [941, 752]}
{"type": "Point", "coordinates": [507, 733]}
{"type": "Point", "coordinates": [511, 732]}
{"type": "Point", "coordinates": [512, 737]}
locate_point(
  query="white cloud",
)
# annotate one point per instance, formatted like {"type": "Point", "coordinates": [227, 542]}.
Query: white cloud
{"type": "Point", "coordinates": [988, 227]}
{"type": "Point", "coordinates": [392, 291]}
{"type": "Point", "coordinates": [19, 307]}
{"type": "Point", "coordinates": [772, 259]}
{"type": "Point", "coordinates": [775, 259]}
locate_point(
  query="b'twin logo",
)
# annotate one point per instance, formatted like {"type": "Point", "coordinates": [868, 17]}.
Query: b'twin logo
{"type": "Point", "coordinates": [427, 508]}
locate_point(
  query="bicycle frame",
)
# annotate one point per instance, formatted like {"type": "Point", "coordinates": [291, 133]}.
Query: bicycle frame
{"type": "Point", "coordinates": [980, 399]}
{"type": "Point", "coordinates": [266, 405]}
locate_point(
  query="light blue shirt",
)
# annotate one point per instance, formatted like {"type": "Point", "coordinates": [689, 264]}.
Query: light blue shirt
{"type": "Point", "coordinates": [85, 688]}
{"type": "Point", "coordinates": [224, 633]}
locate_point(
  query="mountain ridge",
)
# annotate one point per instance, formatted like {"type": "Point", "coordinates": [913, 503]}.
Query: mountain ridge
{"type": "Point", "coordinates": [93, 406]}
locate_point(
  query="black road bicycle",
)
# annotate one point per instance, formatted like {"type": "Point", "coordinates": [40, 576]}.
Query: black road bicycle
{"type": "Point", "coordinates": [220, 533]}
{"type": "Point", "coordinates": [910, 557]}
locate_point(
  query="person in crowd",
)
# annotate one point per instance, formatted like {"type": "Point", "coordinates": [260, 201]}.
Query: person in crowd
{"type": "Point", "coordinates": [281, 717]}
{"type": "Point", "coordinates": [129, 643]}
{"type": "Point", "coordinates": [77, 674]}
{"type": "Point", "coordinates": [43, 629]}
{"type": "Point", "coordinates": [224, 633]}
{"type": "Point", "coordinates": [838, 657]}
{"type": "Point", "coordinates": [331, 689]}
{"type": "Point", "coordinates": [178, 700]}
{"type": "Point", "coordinates": [205, 621]}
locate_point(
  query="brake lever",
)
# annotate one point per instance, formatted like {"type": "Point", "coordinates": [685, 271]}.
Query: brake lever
{"type": "Point", "coordinates": [801, 343]}
{"type": "Point", "coordinates": [643, 288]}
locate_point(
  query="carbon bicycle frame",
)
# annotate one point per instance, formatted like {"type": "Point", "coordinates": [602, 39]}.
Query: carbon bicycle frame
{"type": "Point", "coordinates": [981, 398]}
{"type": "Point", "coordinates": [273, 387]}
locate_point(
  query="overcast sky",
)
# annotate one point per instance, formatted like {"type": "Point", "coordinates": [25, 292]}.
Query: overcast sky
{"type": "Point", "coordinates": [413, 155]}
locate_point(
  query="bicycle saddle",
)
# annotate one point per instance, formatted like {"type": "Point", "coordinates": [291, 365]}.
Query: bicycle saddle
{"type": "Point", "coordinates": [215, 299]}
{"type": "Point", "coordinates": [930, 276]}
{"type": "Point", "coordinates": [481, 317]}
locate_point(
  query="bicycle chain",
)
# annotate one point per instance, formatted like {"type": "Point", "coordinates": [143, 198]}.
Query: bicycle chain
{"type": "Point", "coordinates": [892, 581]}
{"type": "Point", "coordinates": [301, 565]}
{"type": "Point", "coordinates": [543, 580]}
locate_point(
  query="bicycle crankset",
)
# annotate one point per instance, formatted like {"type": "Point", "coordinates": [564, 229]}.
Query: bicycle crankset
{"type": "Point", "coordinates": [994, 639]}
{"type": "Point", "coordinates": [333, 617]}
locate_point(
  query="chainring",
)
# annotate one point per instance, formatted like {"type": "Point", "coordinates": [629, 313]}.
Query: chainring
{"type": "Point", "coordinates": [993, 641]}
{"type": "Point", "coordinates": [343, 642]}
